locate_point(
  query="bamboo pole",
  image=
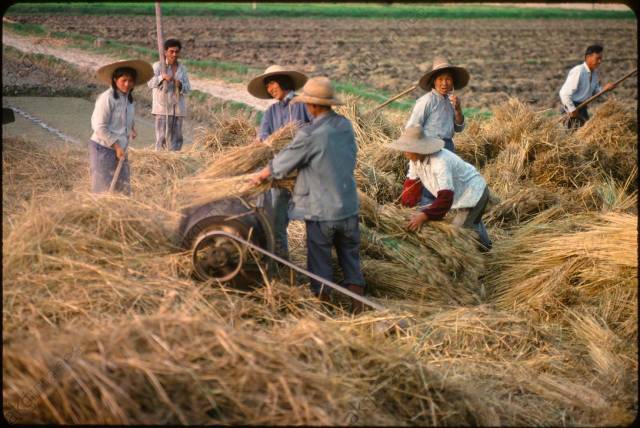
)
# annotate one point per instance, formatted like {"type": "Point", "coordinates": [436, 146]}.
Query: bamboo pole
{"type": "Point", "coordinates": [164, 84]}
{"type": "Point", "coordinates": [395, 97]}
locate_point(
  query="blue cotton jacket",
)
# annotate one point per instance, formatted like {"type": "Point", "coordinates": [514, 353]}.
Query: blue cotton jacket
{"type": "Point", "coordinates": [280, 113]}
{"type": "Point", "coordinates": [324, 153]}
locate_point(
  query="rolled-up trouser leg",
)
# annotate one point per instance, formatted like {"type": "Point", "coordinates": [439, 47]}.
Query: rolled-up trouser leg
{"type": "Point", "coordinates": [102, 165]}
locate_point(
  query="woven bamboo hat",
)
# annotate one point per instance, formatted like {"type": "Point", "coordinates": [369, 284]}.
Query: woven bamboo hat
{"type": "Point", "coordinates": [460, 74]}
{"type": "Point", "coordinates": [318, 90]}
{"type": "Point", "coordinates": [143, 70]}
{"type": "Point", "coordinates": [258, 89]}
{"type": "Point", "coordinates": [413, 140]}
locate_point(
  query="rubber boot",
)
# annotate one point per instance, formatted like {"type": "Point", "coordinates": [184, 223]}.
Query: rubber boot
{"type": "Point", "coordinates": [357, 306]}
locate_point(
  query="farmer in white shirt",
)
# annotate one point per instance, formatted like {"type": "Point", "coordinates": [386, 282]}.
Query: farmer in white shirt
{"type": "Point", "coordinates": [113, 123]}
{"type": "Point", "coordinates": [169, 90]}
{"type": "Point", "coordinates": [458, 186]}
{"type": "Point", "coordinates": [582, 82]}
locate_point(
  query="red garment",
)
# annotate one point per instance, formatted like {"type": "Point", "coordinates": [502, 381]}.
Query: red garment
{"type": "Point", "coordinates": [438, 208]}
{"type": "Point", "coordinates": [411, 192]}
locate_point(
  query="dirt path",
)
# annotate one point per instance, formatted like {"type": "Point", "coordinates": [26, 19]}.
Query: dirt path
{"type": "Point", "coordinates": [214, 87]}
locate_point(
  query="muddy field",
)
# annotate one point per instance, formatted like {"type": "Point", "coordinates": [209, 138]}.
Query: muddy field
{"type": "Point", "coordinates": [527, 59]}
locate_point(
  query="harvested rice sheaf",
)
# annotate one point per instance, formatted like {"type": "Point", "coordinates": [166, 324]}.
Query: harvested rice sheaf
{"type": "Point", "coordinates": [589, 259]}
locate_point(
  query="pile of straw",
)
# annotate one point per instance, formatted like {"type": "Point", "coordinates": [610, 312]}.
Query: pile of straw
{"type": "Point", "coordinates": [228, 132]}
{"type": "Point", "coordinates": [445, 259]}
{"type": "Point", "coordinates": [118, 332]}
{"type": "Point", "coordinates": [589, 260]}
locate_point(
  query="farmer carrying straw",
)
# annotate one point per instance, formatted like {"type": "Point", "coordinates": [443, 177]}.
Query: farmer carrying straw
{"type": "Point", "coordinates": [325, 195]}
{"type": "Point", "coordinates": [169, 104]}
{"type": "Point", "coordinates": [582, 83]}
{"type": "Point", "coordinates": [279, 83]}
{"type": "Point", "coordinates": [457, 184]}
{"type": "Point", "coordinates": [439, 111]}
{"type": "Point", "coordinates": [113, 123]}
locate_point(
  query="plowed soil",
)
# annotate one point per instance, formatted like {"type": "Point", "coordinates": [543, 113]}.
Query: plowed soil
{"type": "Point", "coordinates": [528, 59]}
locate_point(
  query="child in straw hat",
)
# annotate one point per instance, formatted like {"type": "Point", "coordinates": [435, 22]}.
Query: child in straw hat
{"type": "Point", "coordinates": [457, 184]}
{"type": "Point", "coordinates": [112, 122]}
{"type": "Point", "coordinates": [279, 83]}
{"type": "Point", "coordinates": [325, 195]}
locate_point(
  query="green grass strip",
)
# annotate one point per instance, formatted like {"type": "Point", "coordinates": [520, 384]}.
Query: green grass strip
{"type": "Point", "coordinates": [319, 10]}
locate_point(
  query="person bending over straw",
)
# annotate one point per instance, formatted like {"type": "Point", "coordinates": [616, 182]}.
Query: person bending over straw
{"type": "Point", "coordinates": [582, 83]}
{"type": "Point", "coordinates": [439, 111]}
{"type": "Point", "coordinates": [325, 195]}
{"type": "Point", "coordinates": [279, 83]}
{"type": "Point", "coordinates": [457, 184]}
{"type": "Point", "coordinates": [112, 122]}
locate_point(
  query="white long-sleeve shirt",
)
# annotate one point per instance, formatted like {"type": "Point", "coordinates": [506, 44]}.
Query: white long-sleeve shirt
{"type": "Point", "coordinates": [581, 84]}
{"type": "Point", "coordinates": [445, 170]}
{"type": "Point", "coordinates": [112, 119]}
{"type": "Point", "coordinates": [166, 101]}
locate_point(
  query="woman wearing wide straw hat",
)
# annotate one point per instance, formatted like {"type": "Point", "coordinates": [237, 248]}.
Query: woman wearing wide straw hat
{"type": "Point", "coordinates": [112, 122]}
{"type": "Point", "coordinates": [325, 195]}
{"type": "Point", "coordinates": [457, 184]}
{"type": "Point", "coordinates": [279, 83]}
{"type": "Point", "coordinates": [439, 112]}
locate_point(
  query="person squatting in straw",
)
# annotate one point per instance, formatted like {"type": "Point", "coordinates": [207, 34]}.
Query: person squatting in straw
{"type": "Point", "coordinates": [582, 83]}
{"type": "Point", "coordinates": [457, 184]}
{"type": "Point", "coordinates": [279, 83]}
{"type": "Point", "coordinates": [168, 92]}
{"type": "Point", "coordinates": [113, 122]}
{"type": "Point", "coordinates": [439, 112]}
{"type": "Point", "coordinates": [325, 196]}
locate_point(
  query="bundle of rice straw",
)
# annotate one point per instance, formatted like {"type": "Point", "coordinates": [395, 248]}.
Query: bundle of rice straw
{"type": "Point", "coordinates": [156, 174]}
{"type": "Point", "coordinates": [246, 159]}
{"type": "Point", "coordinates": [372, 132]}
{"type": "Point", "coordinates": [441, 254]}
{"type": "Point", "coordinates": [196, 191]}
{"type": "Point", "coordinates": [610, 140]}
{"type": "Point", "coordinates": [228, 132]}
{"type": "Point", "coordinates": [525, 201]}
{"type": "Point", "coordinates": [589, 260]}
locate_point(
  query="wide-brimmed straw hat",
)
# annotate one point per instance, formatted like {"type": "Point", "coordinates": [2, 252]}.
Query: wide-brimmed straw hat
{"type": "Point", "coordinates": [143, 70]}
{"type": "Point", "coordinates": [318, 90]}
{"type": "Point", "coordinates": [413, 140]}
{"type": "Point", "coordinates": [460, 74]}
{"type": "Point", "coordinates": [258, 89]}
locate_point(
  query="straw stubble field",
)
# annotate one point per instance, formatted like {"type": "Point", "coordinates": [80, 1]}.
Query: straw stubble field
{"type": "Point", "coordinates": [103, 323]}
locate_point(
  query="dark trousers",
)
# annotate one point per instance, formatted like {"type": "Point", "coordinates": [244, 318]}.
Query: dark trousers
{"type": "Point", "coordinates": [102, 164]}
{"type": "Point", "coordinates": [344, 235]}
{"type": "Point", "coordinates": [579, 120]}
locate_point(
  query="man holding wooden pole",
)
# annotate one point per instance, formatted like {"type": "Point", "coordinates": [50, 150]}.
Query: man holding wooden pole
{"type": "Point", "coordinates": [582, 83]}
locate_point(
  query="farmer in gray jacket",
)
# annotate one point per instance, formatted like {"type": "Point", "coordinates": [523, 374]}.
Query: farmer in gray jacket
{"type": "Point", "coordinates": [325, 195]}
{"type": "Point", "coordinates": [169, 89]}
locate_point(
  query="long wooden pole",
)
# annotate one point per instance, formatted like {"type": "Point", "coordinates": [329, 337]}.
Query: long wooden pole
{"type": "Point", "coordinates": [160, 36]}
{"type": "Point", "coordinates": [395, 97]}
{"type": "Point", "coordinates": [590, 99]}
